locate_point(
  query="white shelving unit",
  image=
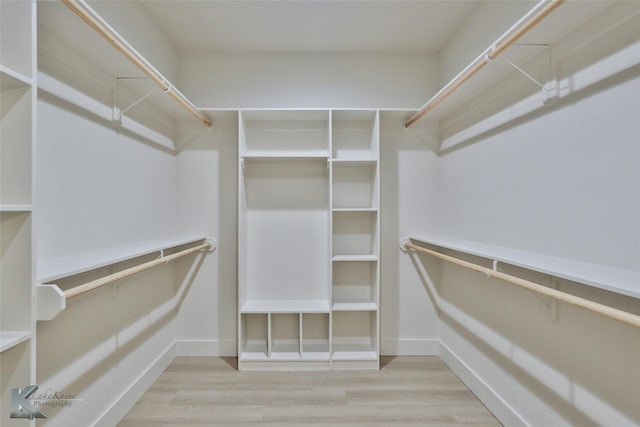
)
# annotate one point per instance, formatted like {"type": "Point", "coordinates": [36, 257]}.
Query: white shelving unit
{"type": "Point", "coordinates": [17, 133]}
{"type": "Point", "coordinates": [307, 208]}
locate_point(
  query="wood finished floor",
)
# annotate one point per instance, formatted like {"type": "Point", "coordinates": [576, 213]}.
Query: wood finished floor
{"type": "Point", "coordinates": [209, 391]}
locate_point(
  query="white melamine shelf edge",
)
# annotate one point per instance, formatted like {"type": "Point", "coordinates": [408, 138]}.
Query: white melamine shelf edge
{"type": "Point", "coordinates": [15, 208]}
{"type": "Point", "coordinates": [286, 306]}
{"type": "Point", "coordinates": [315, 355]}
{"type": "Point", "coordinates": [381, 109]}
{"type": "Point", "coordinates": [354, 209]}
{"type": "Point", "coordinates": [354, 355]}
{"type": "Point", "coordinates": [339, 258]}
{"type": "Point", "coordinates": [10, 339]}
{"type": "Point", "coordinates": [16, 79]}
{"type": "Point", "coordinates": [65, 92]}
{"type": "Point", "coordinates": [253, 356]}
{"type": "Point", "coordinates": [354, 306]}
{"type": "Point", "coordinates": [355, 161]}
{"type": "Point", "coordinates": [285, 355]}
{"type": "Point", "coordinates": [603, 277]}
{"type": "Point", "coordinates": [284, 156]}
{"type": "Point", "coordinates": [57, 268]}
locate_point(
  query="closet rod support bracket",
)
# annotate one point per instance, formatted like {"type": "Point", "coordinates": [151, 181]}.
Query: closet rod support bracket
{"type": "Point", "coordinates": [50, 301]}
{"type": "Point", "coordinates": [403, 245]}
{"type": "Point", "coordinates": [212, 245]}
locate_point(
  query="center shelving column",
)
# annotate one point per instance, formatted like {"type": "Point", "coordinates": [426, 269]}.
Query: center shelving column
{"type": "Point", "coordinates": [284, 291]}
{"type": "Point", "coordinates": [355, 188]}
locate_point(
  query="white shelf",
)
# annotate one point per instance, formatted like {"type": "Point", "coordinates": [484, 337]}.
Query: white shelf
{"type": "Point", "coordinates": [285, 355]}
{"type": "Point", "coordinates": [253, 356]}
{"type": "Point", "coordinates": [10, 339]}
{"type": "Point", "coordinates": [354, 306]}
{"type": "Point", "coordinates": [50, 270]}
{"type": "Point", "coordinates": [342, 258]}
{"type": "Point", "coordinates": [286, 306]}
{"type": "Point", "coordinates": [355, 355]}
{"type": "Point", "coordinates": [285, 155]}
{"type": "Point", "coordinates": [355, 209]}
{"type": "Point", "coordinates": [10, 79]}
{"type": "Point", "coordinates": [15, 208]}
{"type": "Point", "coordinates": [626, 282]}
{"type": "Point", "coordinates": [356, 161]}
{"type": "Point", "coordinates": [315, 355]}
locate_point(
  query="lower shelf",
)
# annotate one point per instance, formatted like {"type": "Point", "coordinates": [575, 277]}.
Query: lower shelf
{"type": "Point", "coordinates": [10, 339]}
{"type": "Point", "coordinates": [355, 355]}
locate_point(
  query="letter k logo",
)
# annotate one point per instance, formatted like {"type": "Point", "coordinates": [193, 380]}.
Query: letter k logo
{"type": "Point", "coordinates": [20, 405]}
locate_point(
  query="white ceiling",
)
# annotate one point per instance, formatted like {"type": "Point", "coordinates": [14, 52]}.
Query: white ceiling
{"type": "Point", "coordinates": [310, 25]}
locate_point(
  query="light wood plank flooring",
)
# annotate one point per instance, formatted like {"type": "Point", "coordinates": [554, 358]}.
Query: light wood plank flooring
{"type": "Point", "coordinates": [209, 391]}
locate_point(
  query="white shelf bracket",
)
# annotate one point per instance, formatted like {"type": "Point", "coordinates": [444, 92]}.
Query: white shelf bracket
{"type": "Point", "coordinates": [403, 245]}
{"type": "Point", "coordinates": [50, 301]}
{"type": "Point", "coordinates": [119, 112]}
{"type": "Point", "coordinates": [549, 88]}
{"type": "Point", "coordinates": [213, 245]}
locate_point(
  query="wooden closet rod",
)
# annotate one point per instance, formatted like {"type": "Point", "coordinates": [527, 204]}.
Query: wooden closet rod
{"type": "Point", "coordinates": [530, 20]}
{"type": "Point", "coordinates": [95, 21]}
{"type": "Point", "coordinates": [83, 289]}
{"type": "Point", "coordinates": [605, 310]}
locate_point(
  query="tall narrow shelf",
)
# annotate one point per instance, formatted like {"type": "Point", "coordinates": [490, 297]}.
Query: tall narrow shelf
{"type": "Point", "coordinates": [305, 207]}
{"type": "Point", "coordinates": [17, 129]}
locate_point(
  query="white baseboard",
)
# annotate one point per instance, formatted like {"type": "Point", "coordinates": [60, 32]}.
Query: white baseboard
{"type": "Point", "coordinates": [123, 403]}
{"type": "Point", "coordinates": [410, 347]}
{"type": "Point", "coordinates": [494, 402]}
{"type": "Point", "coordinates": [206, 348]}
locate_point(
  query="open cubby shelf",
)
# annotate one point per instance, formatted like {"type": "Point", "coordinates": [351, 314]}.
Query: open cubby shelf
{"type": "Point", "coordinates": [308, 237]}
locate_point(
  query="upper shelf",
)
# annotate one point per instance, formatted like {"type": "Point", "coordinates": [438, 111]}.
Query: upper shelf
{"type": "Point", "coordinates": [64, 38]}
{"type": "Point", "coordinates": [599, 276]}
{"type": "Point", "coordinates": [10, 79]}
{"type": "Point", "coordinates": [57, 268]}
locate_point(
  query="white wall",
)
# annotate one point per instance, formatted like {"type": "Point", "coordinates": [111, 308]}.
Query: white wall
{"type": "Point", "coordinates": [228, 80]}
{"type": "Point", "coordinates": [562, 182]}
{"type": "Point", "coordinates": [207, 200]}
{"type": "Point", "coordinates": [408, 165]}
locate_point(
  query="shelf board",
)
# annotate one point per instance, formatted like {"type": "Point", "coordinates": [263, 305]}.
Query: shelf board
{"type": "Point", "coordinates": [10, 79]}
{"type": "Point", "coordinates": [286, 306]}
{"type": "Point", "coordinates": [285, 155]}
{"type": "Point", "coordinates": [57, 268]}
{"type": "Point", "coordinates": [254, 356]}
{"type": "Point", "coordinates": [10, 339]}
{"type": "Point", "coordinates": [342, 258]}
{"type": "Point", "coordinates": [354, 210]}
{"type": "Point", "coordinates": [603, 277]}
{"type": "Point", "coordinates": [355, 162]}
{"type": "Point", "coordinates": [285, 355]}
{"type": "Point", "coordinates": [354, 306]}
{"type": "Point", "coordinates": [315, 355]}
{"type": "Point", "coordinates": [15, 208]}
{"type": "Point", "coordinates": [355, 355]}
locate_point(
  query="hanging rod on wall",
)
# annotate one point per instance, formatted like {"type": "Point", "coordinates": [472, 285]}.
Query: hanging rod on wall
{"type": "Point", "coordinates": [95, 284]}
{"type": "Point", "coordinates": [528, 21]}
{"type": "Point", "coordinates": [95, 21]}
{"type": "Point", "coordinates": [604, 310]}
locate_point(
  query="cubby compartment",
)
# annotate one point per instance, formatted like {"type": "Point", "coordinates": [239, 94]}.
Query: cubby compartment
{"type": "Point", "coordinates": [354, 135]}
{"type": "Point", "coordinates": [355, 335]}
{"type": "Point", "coordinates": [355, 185]}
{"type": "Point", "coordinates": [315, 336]}
{"type": "Point", "coordinates": [254, 337]}
{"type": "Point", "coordinates": [285, 336]}
{"type": "Point", "coordinates": [355, 285]}
{"type": "Point", "coordinates": [284, 133]}
{"type": "Point", "coordinates": [355, 233]}
{"type": "Point", "coordinates": [15, 142]}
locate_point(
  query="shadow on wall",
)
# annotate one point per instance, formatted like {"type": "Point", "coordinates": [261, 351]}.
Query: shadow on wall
{"type": "Point", "coordinates": [578, 365]}
{"type": "Point", "coordinates": [124, 326]}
